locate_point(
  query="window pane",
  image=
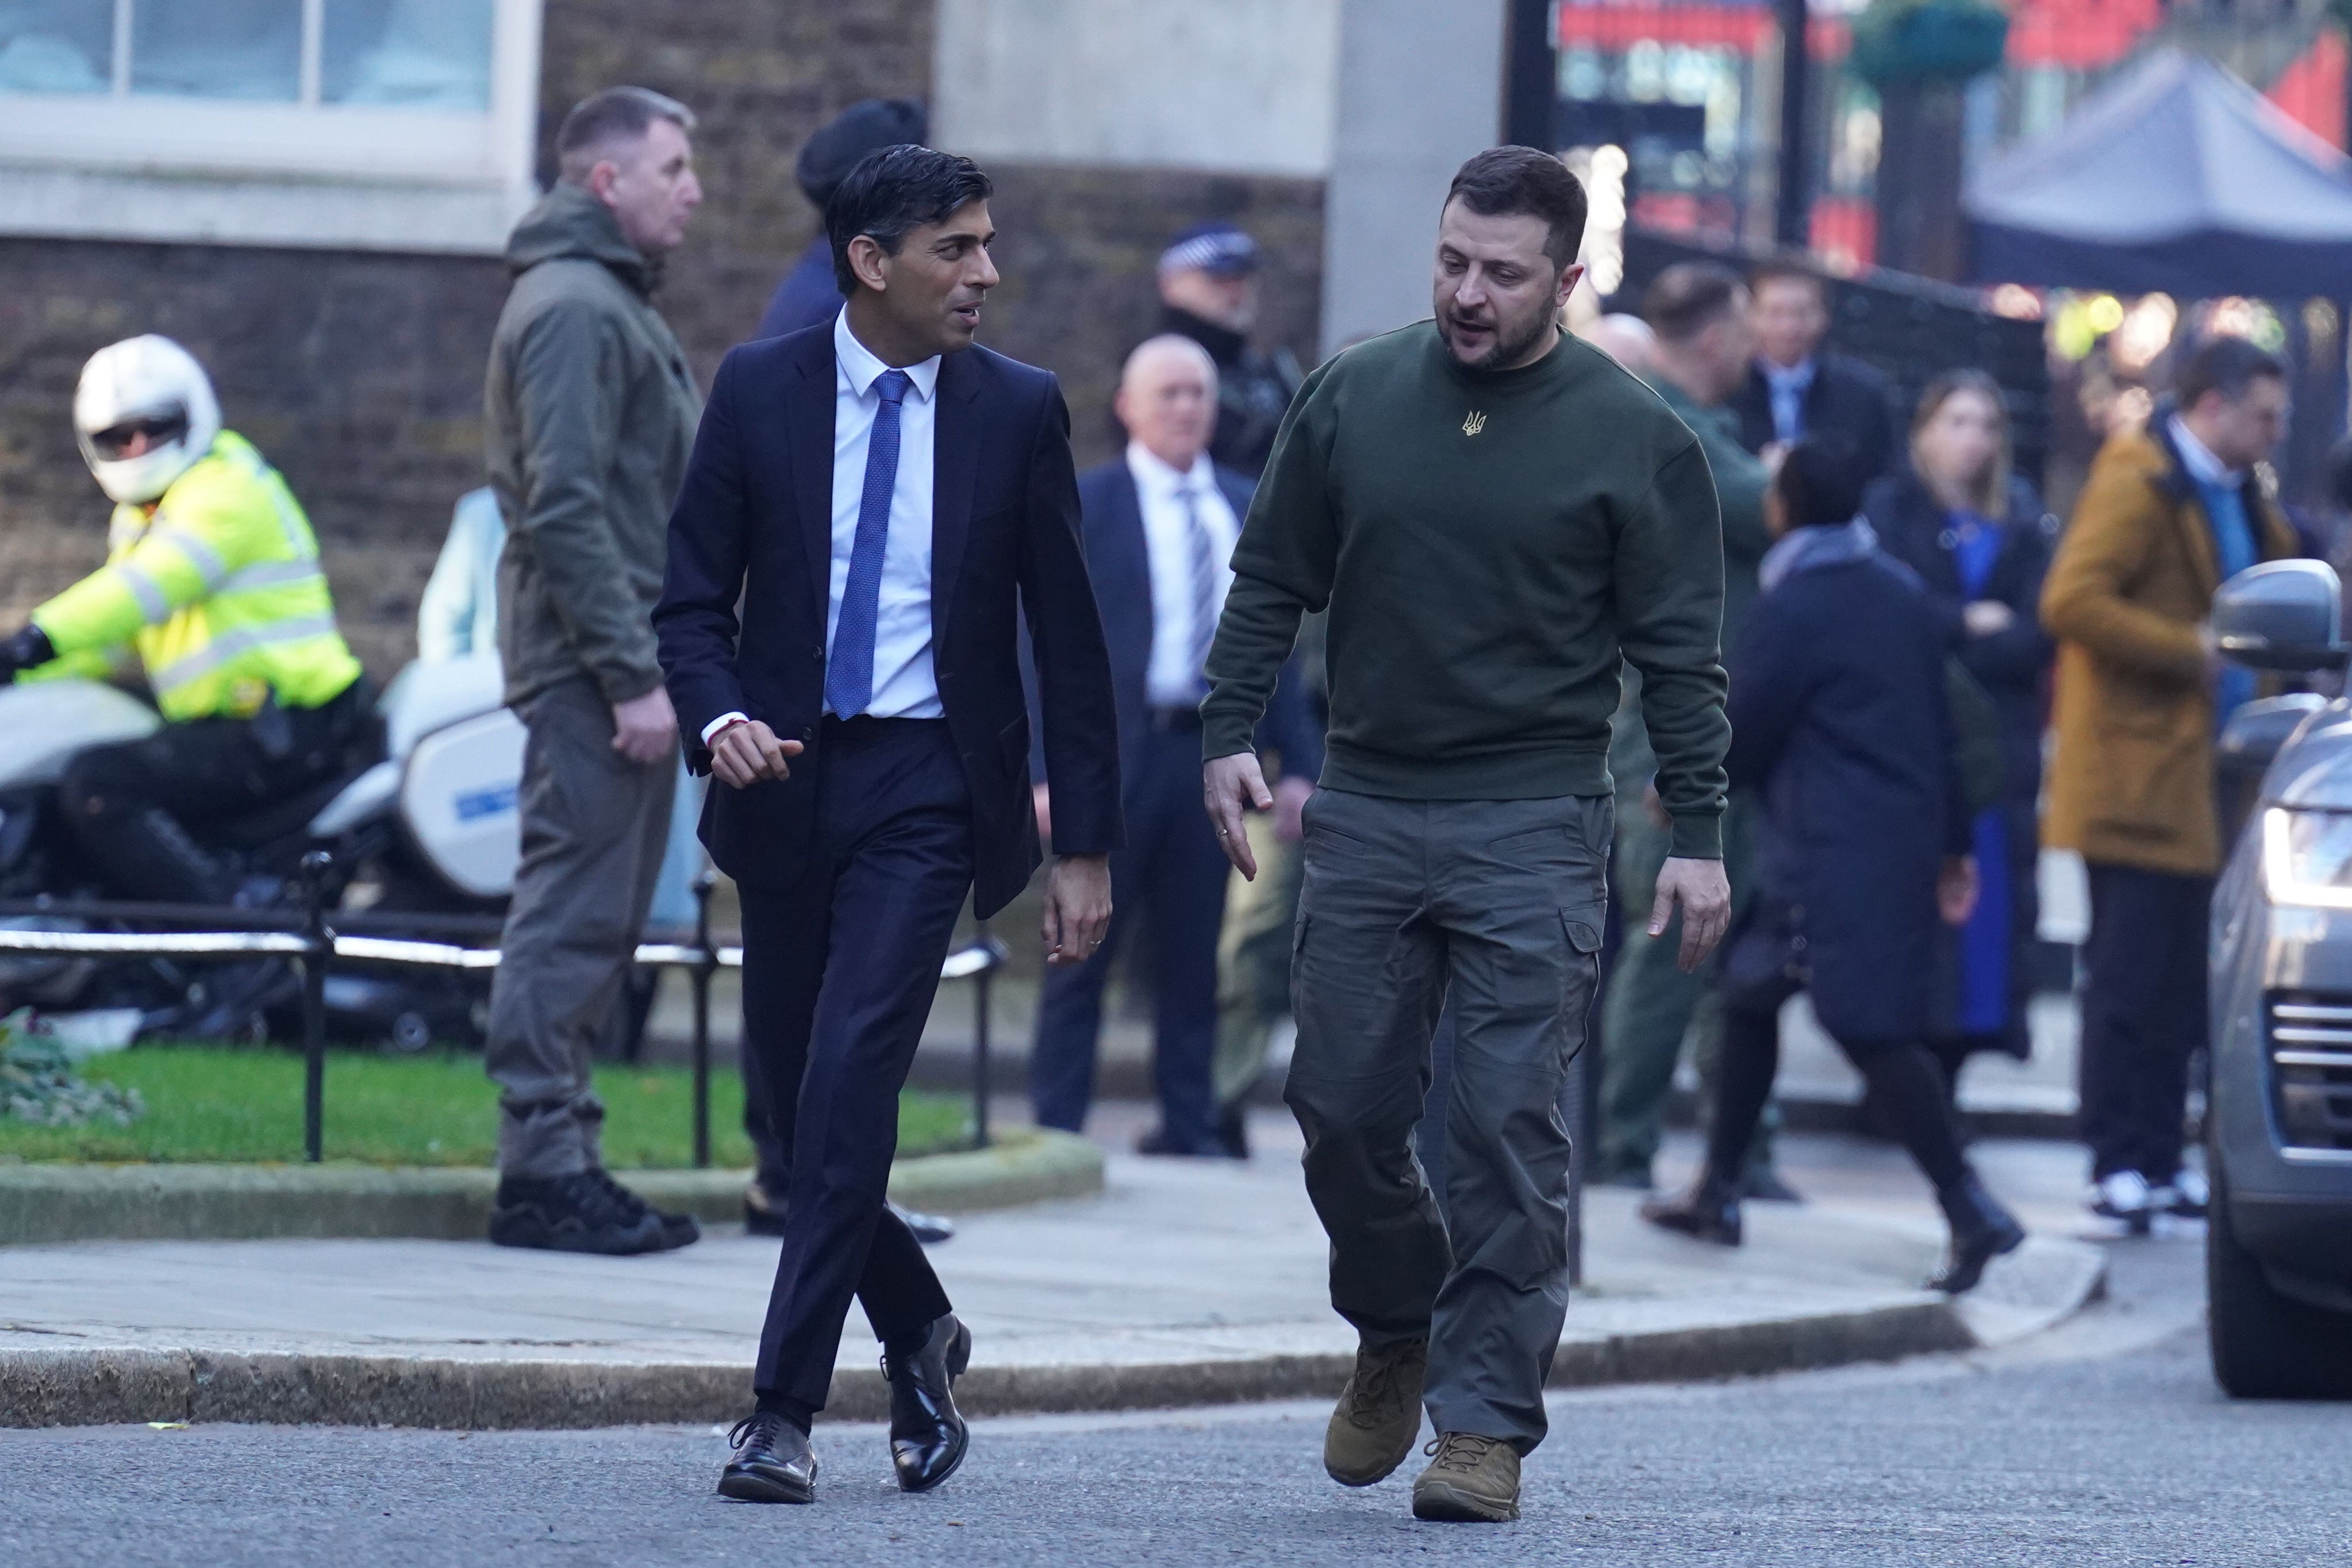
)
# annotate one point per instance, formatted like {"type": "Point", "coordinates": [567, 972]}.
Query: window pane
{"type": "Point", "coordinates": [249, 50]}
{"type": "Point", "coordinates": [56, 46]}
{"type": "Point", "coordinates": [418, 54]}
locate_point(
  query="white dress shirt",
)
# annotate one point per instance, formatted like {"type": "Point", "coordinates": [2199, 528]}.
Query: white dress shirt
{"type": "Point", "coordinates": [1173, 678]}
{"type": "Point", "coordinates": [904, 684]}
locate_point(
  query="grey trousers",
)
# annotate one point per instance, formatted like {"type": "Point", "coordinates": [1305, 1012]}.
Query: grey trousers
{"type": "Point", "coordinates": [1499, 905]}
{"type": "Point", "coordinates": [594, 825]}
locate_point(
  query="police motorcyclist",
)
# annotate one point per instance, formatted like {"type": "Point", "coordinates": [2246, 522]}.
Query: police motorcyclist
{"type": "Point", "coordinates": [212, 577]}
{"type": "Point", "coordinates": [1208, 292]}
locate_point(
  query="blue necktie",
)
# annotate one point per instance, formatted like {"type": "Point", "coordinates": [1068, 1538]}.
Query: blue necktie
{"type": "Point", "coordinates": [849, 673]}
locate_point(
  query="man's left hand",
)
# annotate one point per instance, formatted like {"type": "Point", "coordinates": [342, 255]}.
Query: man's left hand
{"type": "Point", "coordinates": [1077, 908]}
{"type": "Point", "coordinates": [1704, 894]}
{"type": "Point", "coordinates": [1230, 786]}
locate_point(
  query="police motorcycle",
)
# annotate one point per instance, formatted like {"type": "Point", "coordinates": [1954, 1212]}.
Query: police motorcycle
{"type": "Point", "coordinates": [420, 831]}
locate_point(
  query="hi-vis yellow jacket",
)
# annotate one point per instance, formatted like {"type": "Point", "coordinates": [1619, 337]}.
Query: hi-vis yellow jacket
{"type": "Point", "coordinates": [217, 586]}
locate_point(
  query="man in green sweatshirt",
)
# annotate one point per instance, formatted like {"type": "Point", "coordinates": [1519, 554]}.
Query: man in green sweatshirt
{"type": "Point", "coordinates": [1495, 516]}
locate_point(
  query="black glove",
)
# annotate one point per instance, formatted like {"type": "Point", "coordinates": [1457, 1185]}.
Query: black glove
{"type": "Point", "coordinates": [28, 649]}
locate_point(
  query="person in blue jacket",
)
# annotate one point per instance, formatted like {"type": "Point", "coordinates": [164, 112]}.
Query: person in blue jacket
{"type": "Point", "coordinates": [1842, 720]}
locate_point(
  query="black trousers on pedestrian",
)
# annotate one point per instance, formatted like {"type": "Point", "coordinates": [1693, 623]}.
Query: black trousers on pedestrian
{"type": "Point", "coordinates": [131, 808]}
{"type": "Point", "coordinates": [2142, 1017]}
{"type": "Point", "coordinates": [838, 977]}
{"type": "Point", "coordinates": [1171, 879]}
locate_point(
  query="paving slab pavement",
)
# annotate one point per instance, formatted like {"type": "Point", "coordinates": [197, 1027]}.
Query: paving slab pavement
{"type": "Point", "coordinates": [1185, 1282]}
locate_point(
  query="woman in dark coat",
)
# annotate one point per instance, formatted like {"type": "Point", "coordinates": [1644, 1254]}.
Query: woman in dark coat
{"type": "Point", "coordinates": [1981, 542]}
{"type": "Point", "coordinates": [1840, 717]}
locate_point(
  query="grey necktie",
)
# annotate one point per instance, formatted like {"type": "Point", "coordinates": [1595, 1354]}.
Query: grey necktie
{"type": "Point", "coordinates": [1208, 582]}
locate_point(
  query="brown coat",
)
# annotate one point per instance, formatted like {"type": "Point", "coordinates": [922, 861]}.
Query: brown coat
{"type": "Point", "coordinates": [2131, 782]}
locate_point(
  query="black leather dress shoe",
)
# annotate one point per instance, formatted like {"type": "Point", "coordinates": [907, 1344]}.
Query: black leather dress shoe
{"type": "Point", "coordinates": [928, 1436]}
{"type": "Point", "coordinates": [930, 1229]}
{"type": "Point", "coordinates": [1160, 1140]}
{"type": "Point", "coordinates": [772, 1462]}
{"type": "Point", "coordinates": [1709, 1211]}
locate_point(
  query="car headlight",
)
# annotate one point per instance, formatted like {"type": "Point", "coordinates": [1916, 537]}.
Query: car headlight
{"type": "Point", "coordinates": [2307, 857]}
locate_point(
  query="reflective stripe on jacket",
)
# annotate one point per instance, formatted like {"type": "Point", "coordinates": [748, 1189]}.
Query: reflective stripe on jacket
{"type": "Point", "coordinates": [218, 588]}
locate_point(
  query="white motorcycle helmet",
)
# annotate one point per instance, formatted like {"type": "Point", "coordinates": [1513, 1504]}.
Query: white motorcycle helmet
{"type": "Point", "coordinates": [151, 385]}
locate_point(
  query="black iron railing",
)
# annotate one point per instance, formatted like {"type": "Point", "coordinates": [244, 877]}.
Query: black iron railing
{"type": "Point", "coordinates": [316, 938]}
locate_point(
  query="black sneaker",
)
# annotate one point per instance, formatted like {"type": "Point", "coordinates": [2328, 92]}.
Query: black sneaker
{"type": "Point", "coordinates": [568, 1214]}
{"type": "Point", "coordinates": [677, 1229]}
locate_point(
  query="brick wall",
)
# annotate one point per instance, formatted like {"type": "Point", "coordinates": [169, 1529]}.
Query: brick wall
{"type": "Point", "coordinates": [760, 77]}
{"type": "Point", "coordinates": [359, 375]}
{"type": "Point", "coordinates": [1079, 250]}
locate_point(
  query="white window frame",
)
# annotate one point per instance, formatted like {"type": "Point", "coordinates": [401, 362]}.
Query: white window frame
{"type": "Point", "coordinates": [125, 165]}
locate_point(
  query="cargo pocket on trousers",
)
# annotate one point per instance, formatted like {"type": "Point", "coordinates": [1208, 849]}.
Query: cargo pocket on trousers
{"type": "Point", "coordinates": [1584, 925]}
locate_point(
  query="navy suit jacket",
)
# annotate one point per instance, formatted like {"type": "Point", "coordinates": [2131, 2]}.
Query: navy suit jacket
{"type": "Point", "coordinates": [754, 526]}
{"type": "Point", "coordinates": [1848, 399]}
{"type": "Point", "coordinates": [1118, 558]}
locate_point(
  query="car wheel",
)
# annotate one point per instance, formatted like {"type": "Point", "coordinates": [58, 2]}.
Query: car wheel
{"type": "Point", "coordinates": [2266, 1345]}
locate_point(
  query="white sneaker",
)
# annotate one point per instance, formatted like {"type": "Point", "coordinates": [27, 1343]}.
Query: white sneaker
{"type": "Point", "coordinates": [2187, 1196]}
{"type": "Point", "coordinates": [2125, 1195]}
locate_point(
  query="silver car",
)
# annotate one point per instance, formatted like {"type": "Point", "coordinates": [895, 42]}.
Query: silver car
{"type": "Point", "coordinates": [2279, 1127]}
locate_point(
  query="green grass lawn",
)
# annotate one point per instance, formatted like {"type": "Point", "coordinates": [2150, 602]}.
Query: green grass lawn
{"type": "Point", "coordinates": [205, 1103]}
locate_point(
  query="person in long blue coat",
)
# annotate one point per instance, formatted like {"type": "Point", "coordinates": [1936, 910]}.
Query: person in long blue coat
{"type": "Point", "coordinates": [1980, 540]}
{"type": "Point", "coordinates": [1841, 719]}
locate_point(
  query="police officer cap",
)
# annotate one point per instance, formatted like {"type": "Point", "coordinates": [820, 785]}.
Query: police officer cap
{"type": "Point", "coordinates": [1217, 249]}
{"type": "Point", "coordinates": [860, 128]}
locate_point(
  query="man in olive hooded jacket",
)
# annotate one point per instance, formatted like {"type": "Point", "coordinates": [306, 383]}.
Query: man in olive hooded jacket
{"type": "Point", "coordinates": [590, 413]}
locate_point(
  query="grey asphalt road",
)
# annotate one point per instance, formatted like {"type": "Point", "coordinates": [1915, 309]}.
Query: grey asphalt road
{"type": "Point", "coordinates": [2102, 1443]}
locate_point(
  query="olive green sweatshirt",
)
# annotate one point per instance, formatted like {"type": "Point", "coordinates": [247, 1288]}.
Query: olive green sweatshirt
{"type": "Point", "coordinates": [1490, 545]}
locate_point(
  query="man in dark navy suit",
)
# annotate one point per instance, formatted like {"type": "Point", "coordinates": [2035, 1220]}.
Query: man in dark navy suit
{"type": "Point", "coordinates": [1797, 388]}
{"type": "Point", "coordinates": [1160, 523]}
{"type": "Point", "coordinates": [886, 502]}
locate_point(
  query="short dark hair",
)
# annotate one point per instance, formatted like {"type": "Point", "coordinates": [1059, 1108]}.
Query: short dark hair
{"type": "Point", "coordinates": [1776, 271]}
{"type": "Point", "coordinates": [1688, 298]}
{"type": "Point", "coordinates": [617, 114]}
{"type": "Point", "coordinates": [1522, 180]}
{"type": "Point", "coordinates": [2225, 365]}
{"type": "Point", "coordinates": [1819, 482]}
{"type": "Point", "coordinates": [894, 191]}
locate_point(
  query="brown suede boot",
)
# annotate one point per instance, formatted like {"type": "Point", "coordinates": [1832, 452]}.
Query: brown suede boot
{"type": "Point", "coordinates": [1472, 1479]}
{"type": "Point", "coordinates": [1379, 1413]}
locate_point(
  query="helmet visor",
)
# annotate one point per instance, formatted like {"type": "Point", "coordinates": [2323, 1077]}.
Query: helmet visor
{"type": "Point", "coordinates": [125, 439]}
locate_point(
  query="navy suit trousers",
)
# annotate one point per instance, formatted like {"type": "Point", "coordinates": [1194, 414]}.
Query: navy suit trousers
{"type": "Point", "coordinates": [838, 977]}
{"type": "Point", "coordinates": [1172, 877]}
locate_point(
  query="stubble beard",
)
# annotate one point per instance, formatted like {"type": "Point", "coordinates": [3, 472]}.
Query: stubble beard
{"type": "Point", "coordinates": [1506, 351]}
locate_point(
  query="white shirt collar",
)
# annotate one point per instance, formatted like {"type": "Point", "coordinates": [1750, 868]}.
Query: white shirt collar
{"type": "Point", "coordinates": [2199, 458]}
{"type": "Point", "coordinates": [1150, 470]}
{"type": "Point", "coordinates": [863, 369]}
{"type": "Point", "coordinates": [1798, 374]}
